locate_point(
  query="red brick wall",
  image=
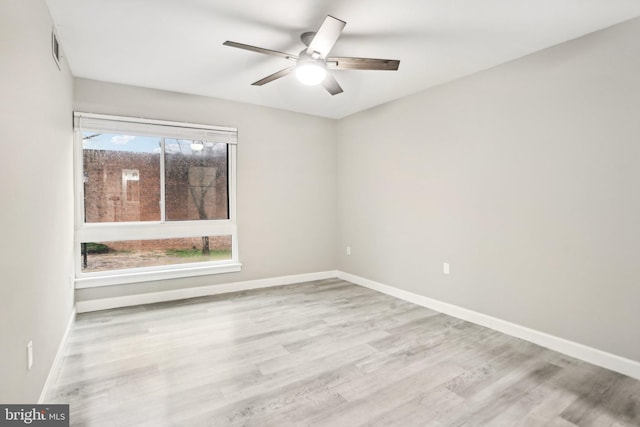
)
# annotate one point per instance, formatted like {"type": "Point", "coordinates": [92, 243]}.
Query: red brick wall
{"type": "Point", "coordinates": [215, 243]}
{"type": "Point", "coordinates": [195, 188]}
{"type": "Point", "coordinates": [105, 200]}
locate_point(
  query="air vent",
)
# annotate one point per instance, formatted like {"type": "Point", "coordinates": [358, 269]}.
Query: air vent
{"type": "Point", "coordinates": [55, 48]}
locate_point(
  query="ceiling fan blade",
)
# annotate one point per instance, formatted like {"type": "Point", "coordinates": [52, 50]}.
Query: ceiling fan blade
{"type": "Point", "coordinates": [326, 36]}
{"type": "Point", "coordinates": [260, 50]}
{"type": "Point", "coordinates": [331, 85]}
{"type": "Point", "coordinates": [274, 76]}
{"type": "Point", "coordinates": [362, 64]}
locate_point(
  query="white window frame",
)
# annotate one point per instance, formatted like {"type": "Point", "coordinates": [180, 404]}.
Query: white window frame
{"type": "Point", "coordinates": [143, 230]}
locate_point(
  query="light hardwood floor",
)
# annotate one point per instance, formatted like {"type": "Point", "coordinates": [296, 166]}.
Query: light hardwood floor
{"type": "Point", "coordinates": [325, 353]}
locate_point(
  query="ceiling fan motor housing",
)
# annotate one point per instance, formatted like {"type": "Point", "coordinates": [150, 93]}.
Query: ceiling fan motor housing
{"type": "Point", "coordinates": [307, 37]}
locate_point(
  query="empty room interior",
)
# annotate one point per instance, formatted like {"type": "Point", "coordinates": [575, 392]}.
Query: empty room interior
{"type": "Point", "coordinates": [290, 213]}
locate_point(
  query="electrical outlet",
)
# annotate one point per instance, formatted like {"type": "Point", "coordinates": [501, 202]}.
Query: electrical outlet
{"type": "Point", "coordinates": [348, 250]}
{"type": "Point", "coordinates": [446, 268]}
{"type": "Point", "coordinates": [29, 355]}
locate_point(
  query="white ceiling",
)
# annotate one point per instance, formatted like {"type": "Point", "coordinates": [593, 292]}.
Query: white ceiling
{"type": "Point", "coordinates": [176, 45]}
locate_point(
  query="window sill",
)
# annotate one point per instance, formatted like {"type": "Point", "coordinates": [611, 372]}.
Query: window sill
{"type": "Point", "coordinates": [132, 276]}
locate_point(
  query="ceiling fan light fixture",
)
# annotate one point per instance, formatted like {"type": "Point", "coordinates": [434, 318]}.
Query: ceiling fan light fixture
{"type": "Point", "coordinates": [310, 73]}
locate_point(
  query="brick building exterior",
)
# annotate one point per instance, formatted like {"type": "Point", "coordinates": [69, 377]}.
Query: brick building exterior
{"type": "Point", "coordinates": [124, 186]}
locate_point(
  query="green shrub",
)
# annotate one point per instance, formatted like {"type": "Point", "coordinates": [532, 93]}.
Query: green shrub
{"type": "Point", "coordinates": [96, 248]}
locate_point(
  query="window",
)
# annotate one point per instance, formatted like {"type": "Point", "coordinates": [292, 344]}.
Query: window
{"type": "Point", "coordinates": [156, 200]}
{"type": "Point", "coordinates": [131, 185]}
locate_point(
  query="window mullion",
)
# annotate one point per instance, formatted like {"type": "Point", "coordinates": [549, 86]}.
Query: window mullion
{"type": "Point", "coordinates": [162, 178]}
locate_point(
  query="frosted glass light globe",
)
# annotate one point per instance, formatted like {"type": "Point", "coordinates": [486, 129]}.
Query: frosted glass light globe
{"type": "Point", "coordinates": [310, 73]}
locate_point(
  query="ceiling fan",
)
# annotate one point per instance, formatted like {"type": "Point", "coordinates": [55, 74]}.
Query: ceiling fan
{"type": "Point", "coordinates": [312, 63]}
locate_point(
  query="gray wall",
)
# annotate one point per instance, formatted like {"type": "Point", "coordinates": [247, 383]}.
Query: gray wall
{"type": "Point", "coordinates": [525, 178]}
{"type": "Point", "coordinates": [286, 196]}
{"type": "Point", "coordinates": [36, 190]}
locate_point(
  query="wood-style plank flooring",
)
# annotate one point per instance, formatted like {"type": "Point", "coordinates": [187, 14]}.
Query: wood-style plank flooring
{"type": "Point", "coordinates": [325, 353]}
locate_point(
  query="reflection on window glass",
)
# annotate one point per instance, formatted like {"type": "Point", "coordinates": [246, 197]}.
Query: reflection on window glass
{"type": "Point", "coordinates": [105, 256]}
{"type": "Point", "coordinates": [121, 177]}
{"type": "Point", "coordinates": [195, 180]}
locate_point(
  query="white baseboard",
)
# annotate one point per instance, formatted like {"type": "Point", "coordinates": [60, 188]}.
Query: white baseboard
{"type": "Point", "coordinates": [579, 351]}
{"type": "Point", "coordinates": [200, 291]}
{"type": "Point", "coordinates": [57, 361]}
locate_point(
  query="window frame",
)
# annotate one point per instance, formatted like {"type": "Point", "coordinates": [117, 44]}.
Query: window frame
{"type": "Point", "coordinates": [142, 230]}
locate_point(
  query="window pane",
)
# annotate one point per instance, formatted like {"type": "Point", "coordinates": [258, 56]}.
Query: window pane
{"type": "Point", "coordinates": [104, 256]}
{"type": "Point", "coordinates": [195, 180]}
{"type": "Point", "coordinates": [121, 177]}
